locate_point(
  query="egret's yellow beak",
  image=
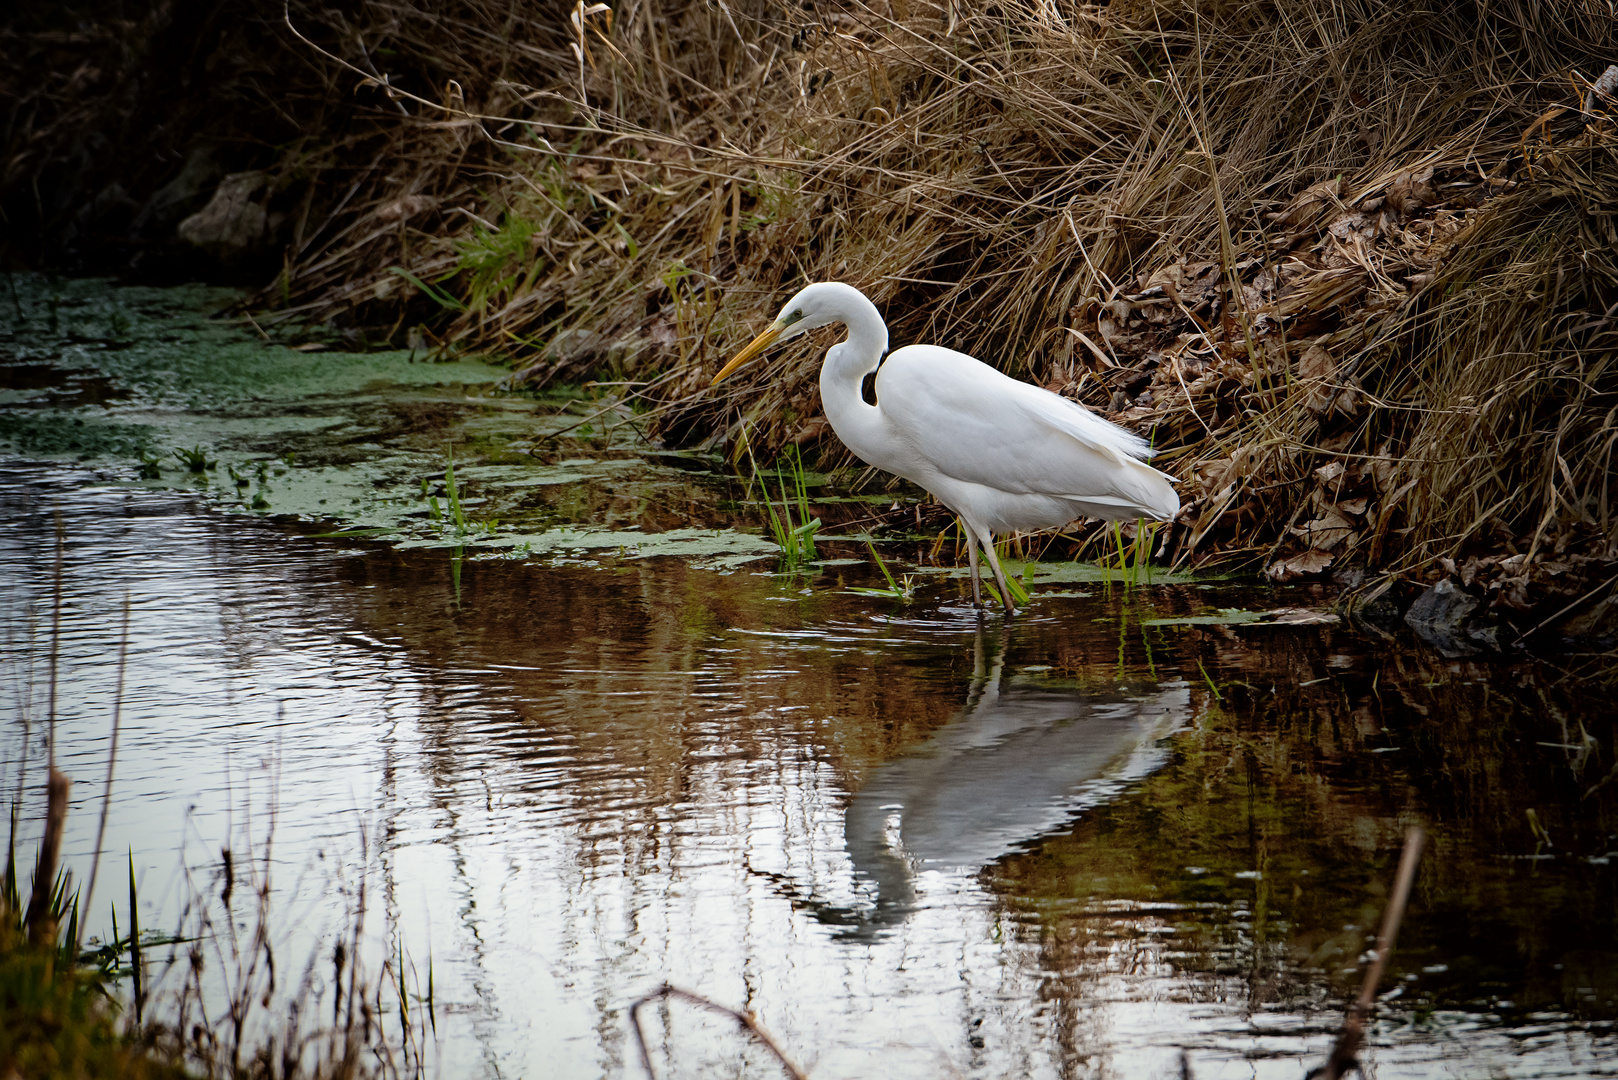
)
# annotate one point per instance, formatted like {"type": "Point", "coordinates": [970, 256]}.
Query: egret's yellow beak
{"type": "Point", "coordinates": [756, 346]}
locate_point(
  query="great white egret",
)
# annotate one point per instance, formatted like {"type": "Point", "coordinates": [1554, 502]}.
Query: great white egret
{"type": "Point", "coordinates": [1002, 454]}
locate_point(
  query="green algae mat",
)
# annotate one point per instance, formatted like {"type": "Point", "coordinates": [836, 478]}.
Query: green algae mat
{"type": "Point", "coordinates": [168, 387]}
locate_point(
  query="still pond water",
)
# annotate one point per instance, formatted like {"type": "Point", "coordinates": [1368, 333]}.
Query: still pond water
{"type": "Point", "coordinates": [592, 738]}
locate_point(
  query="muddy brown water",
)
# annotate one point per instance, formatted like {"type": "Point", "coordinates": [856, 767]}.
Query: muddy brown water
{"type": "Point", "coordinates": [915, 842]}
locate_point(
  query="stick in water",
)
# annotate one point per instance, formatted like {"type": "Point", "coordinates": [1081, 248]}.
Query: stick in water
{"type": "Point", "coordinates": [1348, 1043]}
{"type": "Point", "coordinates": [747, 1023]}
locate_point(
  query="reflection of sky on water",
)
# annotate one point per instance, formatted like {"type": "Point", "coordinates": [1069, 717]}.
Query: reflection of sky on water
{"type": "Point", "coordinates": [589, 783]}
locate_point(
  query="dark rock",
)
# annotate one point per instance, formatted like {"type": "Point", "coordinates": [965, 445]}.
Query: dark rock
{"type": "Point", "coordinates": [110, 202]}
{"type": "Point", "coordinates": [234, 225]}
{"type": "Point", "coordinates": [1446, 617]}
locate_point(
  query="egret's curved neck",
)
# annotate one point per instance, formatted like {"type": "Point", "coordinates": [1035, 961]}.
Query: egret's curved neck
{"type": "Point", "coordinates": [847, 363]}
{"type": "Point", "coordinates": [866, 344]}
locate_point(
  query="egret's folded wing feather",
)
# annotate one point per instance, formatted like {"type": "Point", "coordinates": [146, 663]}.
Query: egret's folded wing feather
{"type": "Point", "coordinates": [972, 423]}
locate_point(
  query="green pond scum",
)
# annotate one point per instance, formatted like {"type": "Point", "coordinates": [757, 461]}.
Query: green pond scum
{"type": "Point", "coordinates": [168, 388]}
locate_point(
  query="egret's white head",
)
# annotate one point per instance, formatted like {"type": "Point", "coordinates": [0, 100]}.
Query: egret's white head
{"type": "Point", "coordinates": [817, 305]}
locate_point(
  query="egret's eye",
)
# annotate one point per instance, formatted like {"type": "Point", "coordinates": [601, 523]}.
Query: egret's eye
{"type": "Point", "coordinates": [792, 317]}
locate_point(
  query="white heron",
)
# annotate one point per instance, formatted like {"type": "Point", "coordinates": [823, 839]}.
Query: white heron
{"type": "Point", "coordinates": [1002, 454]}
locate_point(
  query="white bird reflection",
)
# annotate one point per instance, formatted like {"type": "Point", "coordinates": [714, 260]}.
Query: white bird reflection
{"type": "Point", "coordinates": [1018, 762]}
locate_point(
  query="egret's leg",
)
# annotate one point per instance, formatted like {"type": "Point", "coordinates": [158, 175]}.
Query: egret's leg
{"type": "Point", "coordinates": [999, 577]}
{"type": "Point", "coordinates": [972, 558]}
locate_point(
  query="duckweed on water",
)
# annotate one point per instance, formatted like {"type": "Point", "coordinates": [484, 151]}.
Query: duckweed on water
{"type": "Point", "coordinates": [355, 440]}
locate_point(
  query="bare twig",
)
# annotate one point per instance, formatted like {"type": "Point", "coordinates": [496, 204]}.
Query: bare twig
{"type": "Point", "coordinates": [56, 643]}
{"type": "Point", "coordinates": [112, 760]}
{"type": "Point", "coordinates": [747, 1023]}
{"type": "Point", "coordinates": [1348, 1043]}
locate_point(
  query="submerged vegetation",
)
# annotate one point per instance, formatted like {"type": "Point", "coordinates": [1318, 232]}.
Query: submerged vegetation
{"type": "Point", "coordinates": [1350, 266]}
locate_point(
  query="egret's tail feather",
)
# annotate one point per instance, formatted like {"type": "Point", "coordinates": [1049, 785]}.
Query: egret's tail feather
{"type": "Point", "coordinates": [1153, 493]}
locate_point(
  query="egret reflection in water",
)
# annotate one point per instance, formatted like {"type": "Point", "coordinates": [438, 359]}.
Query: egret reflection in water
{"type": "Point", "coordinates": [1017, 762]}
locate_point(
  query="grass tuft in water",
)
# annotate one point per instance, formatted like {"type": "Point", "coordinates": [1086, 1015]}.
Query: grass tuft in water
{"type": "Point", "coordinates": [796, 538]}
{"type": "Point", "coordinates": [903, 589]}
{"type": "Point", "coordinates": [195, 459]}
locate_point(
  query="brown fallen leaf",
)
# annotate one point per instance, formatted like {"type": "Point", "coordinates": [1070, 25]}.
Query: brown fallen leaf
{"type": "Point", "coordinates": [1365, 226]}
{"type": "Point", "coordinates": [1329, 472]}
{"type": "Point", "coordinates": [1325, 532]}
{"type": "Point", "coordinates": [1308, 564]}
{"type": "Point", "coordinates": [1411, 191]}
{"type": "Point", "coordinates": [1326, 289]}
{"type": "Point", "coordinates": [812, 430]}
{"type": "Point", "coordinates": [405, 206]}
{"type": "Point", "coordinates": [1382, 467]}
{"type": "Point", "coordinates": [1606, 84]}
{"type": "Point", "coordinates": [1312, 205]}
{"type": "Point", "coordinates": [1111, 321]}
{"type": "Point", "coordinates": [1317, 371]}
{"type": "Point", "coordinates": [1344, 399]}
{"type": "Point", "coordinates": [1316, 363]}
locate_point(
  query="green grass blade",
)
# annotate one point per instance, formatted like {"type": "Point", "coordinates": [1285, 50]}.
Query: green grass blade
{"type": "Point", "coordinates": [454, 494]}
{"type": "Point", "coordinates": [880, 565]}
{"type": "Point", "coordinates": [443, 299]}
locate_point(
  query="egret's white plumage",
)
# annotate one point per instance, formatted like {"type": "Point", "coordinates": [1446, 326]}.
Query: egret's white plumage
{"type": "Point", "coordinates": [1003, 454]}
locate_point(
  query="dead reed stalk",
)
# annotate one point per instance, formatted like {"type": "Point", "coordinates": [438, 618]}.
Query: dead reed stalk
{"type": "Point", "coordinates": [1238, 230]}
{"type": "Point", "coordinates": [40, 916]}
{"type": "Point", "coordinates": [1348, 1043]}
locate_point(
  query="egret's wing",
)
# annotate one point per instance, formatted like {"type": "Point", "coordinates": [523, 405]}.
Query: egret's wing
{"type": "Point", "coordinates": [970, 422]}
